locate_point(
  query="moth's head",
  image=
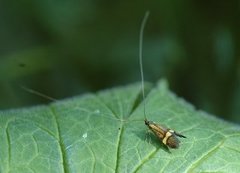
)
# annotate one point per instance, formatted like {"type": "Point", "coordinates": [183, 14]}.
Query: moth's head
{"type": "Point", "coordinates": [146, 122]}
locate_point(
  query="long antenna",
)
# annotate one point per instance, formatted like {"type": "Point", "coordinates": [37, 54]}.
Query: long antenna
{"type": "Point", "coordinates": [37, 93]}
{"type": "Point", "coordinates": [144, 21]}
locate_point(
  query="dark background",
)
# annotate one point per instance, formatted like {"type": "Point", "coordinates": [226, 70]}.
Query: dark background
{"type": "Point", "coordinates": [65, 48]}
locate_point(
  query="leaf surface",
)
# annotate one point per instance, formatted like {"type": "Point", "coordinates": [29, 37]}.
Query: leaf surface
{"type": "Point", "coordinates": [105, 132]}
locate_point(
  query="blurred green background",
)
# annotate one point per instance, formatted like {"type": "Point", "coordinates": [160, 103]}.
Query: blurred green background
{"type": "Point", "coordinates": [65, 48]}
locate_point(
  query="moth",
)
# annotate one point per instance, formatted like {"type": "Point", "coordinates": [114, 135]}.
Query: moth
{"type": "Point", "coordinates": [166, 135]}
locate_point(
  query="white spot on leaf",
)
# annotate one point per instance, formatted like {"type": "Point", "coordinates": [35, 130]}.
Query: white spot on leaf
{"type": "Point", "coordinates": [97, 111]}
{"type": "Point", "coordinates": [84, 135]}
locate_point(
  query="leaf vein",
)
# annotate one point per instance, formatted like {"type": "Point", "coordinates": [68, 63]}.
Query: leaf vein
{"type": "Point", "coordinates": [9, 146]}
{"type": "Point", "coordinates": [145, 160]}
{"type": "Point", "coordinates": [118, 146]}
{"type": "Point", "coordinates": [93, 155]}
{"type": "Point", "coordinates": [65, 166]}
{"type": "Point", "coordinates": [102, 102]}
{"type": "Point", "coordinates": [233, 149]}
{"type": "Point", "coordinates": [206, 155]}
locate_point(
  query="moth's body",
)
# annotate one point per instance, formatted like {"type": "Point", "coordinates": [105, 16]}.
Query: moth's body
{"type": "Point", "coordinates": [167, 136]}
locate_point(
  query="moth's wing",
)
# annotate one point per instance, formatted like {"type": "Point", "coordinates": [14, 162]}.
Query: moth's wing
{"type": "Point", "coordinates": [179, 135]}
{"type": "Point", "coordinates": [159, 131]}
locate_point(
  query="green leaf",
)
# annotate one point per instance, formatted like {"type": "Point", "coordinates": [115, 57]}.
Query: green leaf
{"type": "Point", "coordinates": [105, 132]}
